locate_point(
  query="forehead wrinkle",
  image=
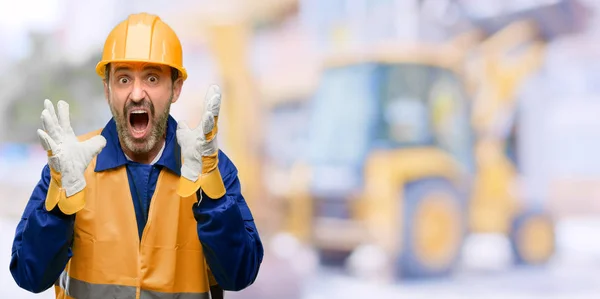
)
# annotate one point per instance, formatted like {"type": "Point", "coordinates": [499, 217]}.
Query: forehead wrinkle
{"type": "Point", "coordinates": [124, 67]}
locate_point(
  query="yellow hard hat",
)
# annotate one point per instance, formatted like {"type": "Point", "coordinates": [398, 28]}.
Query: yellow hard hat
{"type": "Point", "coordinates": [142, 38]}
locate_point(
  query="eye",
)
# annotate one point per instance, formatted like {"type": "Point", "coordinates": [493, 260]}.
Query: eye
{"type": "Point", "coordinates": [152, 79]}
{"type": "Point", "coordinates": [123, 80]}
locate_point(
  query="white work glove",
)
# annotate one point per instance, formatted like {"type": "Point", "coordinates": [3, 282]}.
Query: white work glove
{"type": "Point", "coordinates": [67, 156]}
{"type": "Point", "coordinates": [200, 151]}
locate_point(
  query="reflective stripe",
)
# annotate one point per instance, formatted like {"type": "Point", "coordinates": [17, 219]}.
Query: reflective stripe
{"type": "Point", "coordinates": [158, 295]}
{"type": "Point", "coordinates": [84, 290]}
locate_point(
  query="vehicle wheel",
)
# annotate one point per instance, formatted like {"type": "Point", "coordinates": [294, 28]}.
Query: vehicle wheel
{"type": "Point", "coordinates": [532, 238]}
{"type": "Point", "coordinates": [433, 231]}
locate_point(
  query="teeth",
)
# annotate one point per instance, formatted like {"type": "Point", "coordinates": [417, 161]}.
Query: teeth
{"type": "Point", "coordinates": [138, 112]}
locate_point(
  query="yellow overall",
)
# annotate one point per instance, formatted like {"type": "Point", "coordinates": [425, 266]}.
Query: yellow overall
{"type": "Point", "coordinates": [110, 261]}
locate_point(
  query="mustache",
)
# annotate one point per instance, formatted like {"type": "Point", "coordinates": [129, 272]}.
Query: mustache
{"type": "Point", "coordinates": [145, 103]}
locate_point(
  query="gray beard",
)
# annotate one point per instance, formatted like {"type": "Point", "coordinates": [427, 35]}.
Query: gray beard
{"type": "Point", "coordinates": [159, 127]}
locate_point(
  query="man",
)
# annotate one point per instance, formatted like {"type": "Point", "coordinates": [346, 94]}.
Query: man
{"type": "Point", "coordinates": [145, 207]}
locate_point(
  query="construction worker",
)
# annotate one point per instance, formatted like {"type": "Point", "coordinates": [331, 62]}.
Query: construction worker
{"type": "Point", "coordinates": [145, 207]}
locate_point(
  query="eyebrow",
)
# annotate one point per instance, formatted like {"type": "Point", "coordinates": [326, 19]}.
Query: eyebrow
{"type": "Point", "coordinates": [150, 67]}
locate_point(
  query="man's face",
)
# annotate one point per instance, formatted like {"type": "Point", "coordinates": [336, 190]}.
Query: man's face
{"type": "Point", "coordinates": [140, 96]}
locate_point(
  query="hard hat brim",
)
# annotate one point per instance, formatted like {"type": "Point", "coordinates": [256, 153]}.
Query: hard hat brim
{"type": "Point", "coordinates": [101, 66]}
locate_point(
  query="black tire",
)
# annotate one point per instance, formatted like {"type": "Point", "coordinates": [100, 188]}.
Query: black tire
{"type": "Point", "coordinates": [446, 221]}
{"type": "Point", "coordinates": [532, 238]}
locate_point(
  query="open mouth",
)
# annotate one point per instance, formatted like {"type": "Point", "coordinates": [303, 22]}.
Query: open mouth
{"type": "Point", "coordinates": [139, 121]}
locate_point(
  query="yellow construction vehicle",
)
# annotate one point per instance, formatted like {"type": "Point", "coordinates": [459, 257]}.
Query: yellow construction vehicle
{"type": "Point", "coordinates": [407, 152]}
{"type": "Point", "coordinates": [390, 154]}
{"type": "Point", "coordinates": [393, 159]}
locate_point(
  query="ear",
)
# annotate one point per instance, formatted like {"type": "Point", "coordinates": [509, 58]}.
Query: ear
{"type": "Point", "coordinates": [106, 89]}
{"type": "Point", "coordinates": [177, 86]}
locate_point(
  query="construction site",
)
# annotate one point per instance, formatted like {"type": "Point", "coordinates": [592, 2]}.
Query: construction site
{"type": "Point", "coordinates": [387, 149]}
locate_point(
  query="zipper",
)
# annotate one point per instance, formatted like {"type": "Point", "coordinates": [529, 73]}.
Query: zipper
{"type": "Point", "coordinates": [150, 210]}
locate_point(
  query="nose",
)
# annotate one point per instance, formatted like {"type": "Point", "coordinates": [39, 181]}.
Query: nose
{"type": "Point", "coordinates": [138, 93]}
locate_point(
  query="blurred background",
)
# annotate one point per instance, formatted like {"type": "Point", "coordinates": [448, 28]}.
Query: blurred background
{"type": "Point", "coordinates": [387, 148]}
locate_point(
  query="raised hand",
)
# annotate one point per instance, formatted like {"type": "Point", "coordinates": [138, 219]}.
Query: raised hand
{"type": "Point", "coordinates": [68, 157]}
{"type": "Point", "coordinates": [200, 151]}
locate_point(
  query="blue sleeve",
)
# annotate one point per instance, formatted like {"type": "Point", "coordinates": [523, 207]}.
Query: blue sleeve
{"type": "Point", "coordinates": [229, 237]}
{"type": "Point", "coordinates": [41, 248]}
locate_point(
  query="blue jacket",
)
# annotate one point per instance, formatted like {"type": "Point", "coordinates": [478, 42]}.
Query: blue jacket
{"type": "Point", "coordinates": [42, 244]}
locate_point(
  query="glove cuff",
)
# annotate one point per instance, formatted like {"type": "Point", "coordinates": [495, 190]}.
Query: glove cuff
{"type": "Point", "coordinates": [189, 182]}
{"type": "Point", "coordinates": [56, 195]}
{"type": "Point", "coordinates": [55, 192]}
{"type": "Point", "coordinates": [73, 204]}
{"type": "Point", "coordinates": [187, 187]}
{"type": "Point", "coordinates": [212, 184]}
